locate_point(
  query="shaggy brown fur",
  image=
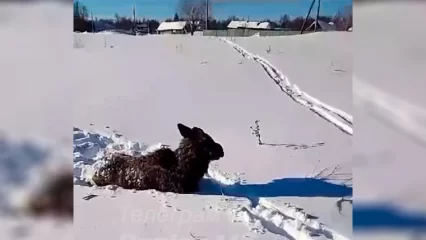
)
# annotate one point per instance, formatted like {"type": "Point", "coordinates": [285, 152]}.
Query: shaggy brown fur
{"type": "Point", "coordinates": [164, 157]}
{"type": "Point", "coordinates": [179, 173]}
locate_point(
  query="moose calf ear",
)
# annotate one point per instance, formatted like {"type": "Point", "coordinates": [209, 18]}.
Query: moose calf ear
{"type": "Point", "coordinates": [185, 131]}
{"type": "Point", "coordinates": [197, 132]}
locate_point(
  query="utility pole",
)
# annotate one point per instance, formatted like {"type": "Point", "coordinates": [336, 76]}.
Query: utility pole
{"type": "Point", "coordinates": [207, 14]}
{"type": "Point", "coordinates": [147, 25]}
{"type": "Point", "coordinates": [93, 23]}
{"type": "Point", "coordinates": [316, 18]}
{"type": "Point", "coordinates": [134, 18]}
{"type": "Point", "coordinates": [307, 17]}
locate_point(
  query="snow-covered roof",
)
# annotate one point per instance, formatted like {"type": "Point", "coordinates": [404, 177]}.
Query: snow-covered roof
{"type": "Point", "coordinates": [237, 24]}
{"type": "Point", "coordinates": [264, 25]}
{"type": "Point", "coordinates": [247, 24]}
{"type": "Point", "coordinates": [164, 26]}
{"type": "Point", "coordinates": [252, 24]}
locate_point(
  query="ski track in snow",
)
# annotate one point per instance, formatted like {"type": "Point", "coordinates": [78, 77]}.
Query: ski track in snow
{"type": "Point", "coordinates": [327, 112]}
{"type": "Point", "coordinates": [260, 215]}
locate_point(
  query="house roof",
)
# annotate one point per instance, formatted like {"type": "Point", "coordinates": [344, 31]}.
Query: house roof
{"type": "Point", "coordinates": [247, 24]}
{"type": "Point", "coordinates": [237, 24]}
{"type": "Point", "coordinates": [252, 24]}
{"type": "Point", "coordinates": [164, 26]}
{"type": "Point", "coordinates": [264, 25]}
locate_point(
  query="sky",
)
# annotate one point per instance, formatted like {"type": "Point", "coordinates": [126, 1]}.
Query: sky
{"type": "Point", "coordinates": [222, 9]}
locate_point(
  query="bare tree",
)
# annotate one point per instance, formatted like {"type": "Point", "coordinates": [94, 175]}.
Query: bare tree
{"type": "Point", "coordinates": [348, 16]}
{"type": "Point", "coordinates": [194, 11]}
{"type": "Point", "coordinates": [80, 10]}
{"type": "Point", "coordinates": [84, 12]}
{"type": "Point", "coordinates": [343, 19]}
{"type": "Point", "coordinates": [285, 21]}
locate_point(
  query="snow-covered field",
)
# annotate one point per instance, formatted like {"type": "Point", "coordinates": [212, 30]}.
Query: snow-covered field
{"type": "Point", "coordinates": [287, 188]}
{"type": "Point", "coordinates": [142, 86]}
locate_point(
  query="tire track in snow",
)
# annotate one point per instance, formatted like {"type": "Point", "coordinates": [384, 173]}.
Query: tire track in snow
{"type": "Point", "coordinates": [262, 215]}
{"type": "Point", "coordinates": [325, 111]}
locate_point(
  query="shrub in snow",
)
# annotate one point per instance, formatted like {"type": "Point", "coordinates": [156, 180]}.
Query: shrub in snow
{"type": "Point", "coordinates": [269, 49]}
{"type": "Point", "coordinates": [164, 170]}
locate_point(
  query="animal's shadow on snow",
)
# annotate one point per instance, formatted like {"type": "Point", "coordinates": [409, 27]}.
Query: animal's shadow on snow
{"type": "Point", "coordinates": [382, 216]}
{"type": "Point", "coordinates": [17, 158]}
{"type": "Point", "coordinates": [285, 187]}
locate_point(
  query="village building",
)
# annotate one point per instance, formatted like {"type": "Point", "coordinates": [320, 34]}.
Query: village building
{"type": "Point", "coordinates": [141, 29]}
{"type": "Point", "coordinates": [249, 25]}
{"type": "Point", "coordinates": [179, 27]}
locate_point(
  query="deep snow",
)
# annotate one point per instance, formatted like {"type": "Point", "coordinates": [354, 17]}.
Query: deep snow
{"type": "Point", "coordinates": [245, 203]}
{"type": "Point", "coordinates": [143, 86]}
{"type": "Point", "coordinates": [41, 88]}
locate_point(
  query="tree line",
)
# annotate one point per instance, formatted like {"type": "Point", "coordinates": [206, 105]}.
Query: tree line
{"type": "Point", "coordinates": [195, 12]}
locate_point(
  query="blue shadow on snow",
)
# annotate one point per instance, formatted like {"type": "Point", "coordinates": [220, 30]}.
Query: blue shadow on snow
{"type": "Point", "coordinates": [285, 187]}
{"type": "Point", "coordinates": [383, 216]}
